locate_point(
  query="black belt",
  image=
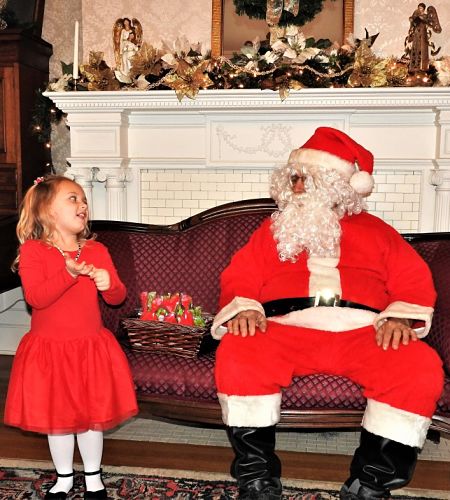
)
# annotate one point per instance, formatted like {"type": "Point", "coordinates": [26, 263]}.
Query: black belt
{"type": "Point", "coordinates": [285, 306]}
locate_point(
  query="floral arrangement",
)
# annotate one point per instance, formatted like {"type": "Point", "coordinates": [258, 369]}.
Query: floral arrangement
{"type": "Point", "coordinates": [287, 61]}
{"type": "Point", "coordinates": [170, 308]}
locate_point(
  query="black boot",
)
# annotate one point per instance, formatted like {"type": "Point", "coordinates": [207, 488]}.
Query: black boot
{"type": "Point", "coordinates": [256, 467]}
{"type": "Point", "coordinates": [379, 465]}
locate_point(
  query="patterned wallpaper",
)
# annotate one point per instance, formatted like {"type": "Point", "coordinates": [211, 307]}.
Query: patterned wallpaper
{"type": "Point", "coordinates": [167, 20]}
{"type": "Point", "coordinates": [391, 20]}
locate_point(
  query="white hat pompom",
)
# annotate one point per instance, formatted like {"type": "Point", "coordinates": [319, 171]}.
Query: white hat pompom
{"type": "Point", "coordinates": [362, 182]}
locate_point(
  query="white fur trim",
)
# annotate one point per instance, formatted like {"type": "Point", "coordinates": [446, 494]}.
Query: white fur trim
{"type": "Point", "coordinates": [331, 319]}
{"type": "Point", "coordinates": [250, 411]}
{"type": "Point", "coordinates": [392, 423]}
{"type": "Point", "coordinates": [362, 182]}
{"type": "Point", "coordinates": [406, 310]}
{"type": "Point", "coordinates": [323, 159]}
{"type": "Point", "coordinates": [237, 305]}
{"type": "Point", "coordinates": [324, 275]}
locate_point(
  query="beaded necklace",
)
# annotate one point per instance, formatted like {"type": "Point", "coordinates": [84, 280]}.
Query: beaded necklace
{"type": "Point", "coordinates": [77, 256]}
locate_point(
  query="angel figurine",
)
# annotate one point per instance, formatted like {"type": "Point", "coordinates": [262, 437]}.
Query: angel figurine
{"type": "Point", "coordinates": [127, 39]}
{"type": "Point", "coordinates": [418, 39]}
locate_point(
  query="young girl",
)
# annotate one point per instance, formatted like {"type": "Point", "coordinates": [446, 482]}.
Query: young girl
{"type": "Point", "coordinates": [70, 376]}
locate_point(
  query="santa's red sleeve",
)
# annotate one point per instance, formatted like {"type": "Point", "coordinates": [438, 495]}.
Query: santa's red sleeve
{"type": "Point", "coordinates": [409, 285]}
{"type": "Point", "coordinates": [242, 279]}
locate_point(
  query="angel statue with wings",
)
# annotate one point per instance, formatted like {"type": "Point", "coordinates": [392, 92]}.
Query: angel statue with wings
{"type": "Point", "coordinates": [418, 40]}
{"type": "Point", "coordinates": [127, 39]}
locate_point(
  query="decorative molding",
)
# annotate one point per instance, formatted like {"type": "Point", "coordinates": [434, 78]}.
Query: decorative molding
{"type": "Point", "coordinates": [344, 98]}
{"type": "Point", "coordinates": [269, 137]}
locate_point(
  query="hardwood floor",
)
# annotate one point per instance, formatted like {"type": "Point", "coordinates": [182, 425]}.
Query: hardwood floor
{"type": "Point", "coordinates": [14, 443]}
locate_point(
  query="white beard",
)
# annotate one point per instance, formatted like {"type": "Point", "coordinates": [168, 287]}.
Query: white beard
{"type": "Point", "coordinates": [310, 221]}
{"type": "Point", "coordinates": [306, 224]}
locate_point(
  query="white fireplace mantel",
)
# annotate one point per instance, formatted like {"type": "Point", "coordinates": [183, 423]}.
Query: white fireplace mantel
{"type": "Point", "coordinates": [117, 135]}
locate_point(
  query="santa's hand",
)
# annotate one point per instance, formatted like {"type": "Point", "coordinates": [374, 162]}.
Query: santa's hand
{"type": "Point", "coordinates": [101, 279]}
{"type": "Point", "coordinates": [246, 322]}
{"type": "Point", "coordinates": [393, 331]}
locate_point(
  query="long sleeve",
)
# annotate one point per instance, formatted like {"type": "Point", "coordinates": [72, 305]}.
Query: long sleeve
{"type": "Point", "coordinates": [242, 280]}
{"type": "Point", "coordinates": [409, 285]}
{"type": "Point", "coordinates": [42, 286]}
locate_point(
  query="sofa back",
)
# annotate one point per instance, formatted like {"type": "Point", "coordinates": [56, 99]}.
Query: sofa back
{"type": "Point", "coordinates": [190, 256]}
{"type": "Point", "coordinates": [185, 257]}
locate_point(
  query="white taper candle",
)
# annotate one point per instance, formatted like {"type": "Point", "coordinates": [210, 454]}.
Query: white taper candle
{"type": "Point", "coordinates": [75, 51]}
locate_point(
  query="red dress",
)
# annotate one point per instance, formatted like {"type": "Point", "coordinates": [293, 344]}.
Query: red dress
{"type": "Point", "coordinates": [69, 374]}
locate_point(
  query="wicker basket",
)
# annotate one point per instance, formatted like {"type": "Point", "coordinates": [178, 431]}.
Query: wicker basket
{"type": "Point", "coordinates": [168, 338]}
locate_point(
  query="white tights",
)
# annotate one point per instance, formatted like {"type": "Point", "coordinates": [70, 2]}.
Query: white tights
{"type": "Point", "coordinates": [62, 447]}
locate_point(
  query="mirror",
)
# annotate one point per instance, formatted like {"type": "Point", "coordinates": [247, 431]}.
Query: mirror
{"type": "Point", "coordinates": [230, 31]}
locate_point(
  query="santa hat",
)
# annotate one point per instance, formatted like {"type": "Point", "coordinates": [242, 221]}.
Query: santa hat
{"type": "Point", "coordinates": [331, 148]}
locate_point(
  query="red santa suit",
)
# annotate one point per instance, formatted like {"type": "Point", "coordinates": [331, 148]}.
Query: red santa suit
{"type": "Point", "coordinates": [375, 267]}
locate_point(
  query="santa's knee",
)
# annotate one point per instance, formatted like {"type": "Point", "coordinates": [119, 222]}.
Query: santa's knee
{"type": "Point", "coordinates": [422, 376]}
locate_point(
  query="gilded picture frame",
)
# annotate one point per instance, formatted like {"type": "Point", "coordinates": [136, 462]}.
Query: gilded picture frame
{"type": "Point", "coordinates": [217, 24]}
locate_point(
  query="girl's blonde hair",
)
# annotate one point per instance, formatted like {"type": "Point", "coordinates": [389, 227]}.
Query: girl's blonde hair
{"type": "Point", "coordinates": [35, 222]}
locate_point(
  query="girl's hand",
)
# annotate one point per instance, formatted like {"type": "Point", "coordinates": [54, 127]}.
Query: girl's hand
{"type": "Point", "coordinates": [101, 279]}
{"type": "Point", "coordinates": [75, 268]}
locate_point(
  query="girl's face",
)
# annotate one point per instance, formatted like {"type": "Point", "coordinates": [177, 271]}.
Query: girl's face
{"type": "Point", "coordinates": [69, 209]}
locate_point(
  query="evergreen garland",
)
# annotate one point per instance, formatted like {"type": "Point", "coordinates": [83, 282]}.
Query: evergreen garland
{"type": "Point", "coordinates": [256, 9]}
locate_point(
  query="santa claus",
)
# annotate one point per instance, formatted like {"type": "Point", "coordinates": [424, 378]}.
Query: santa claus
{"type": "Point", "coordinates": [324, 287]}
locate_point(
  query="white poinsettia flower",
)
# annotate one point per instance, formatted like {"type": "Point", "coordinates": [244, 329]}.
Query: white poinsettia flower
{"type": "Point", "coordinates": [61, 84]}
{"type": "Point", "coordinates": [322, 58]}
{"type": "Point", "coordinates": [443, 71]}
{"type": "Point", "coordinates": [290, 53]}
{"type": "Point", "coordinates": [333, 53]}
{"type": "Point", "coordinates": [291, 30]}
{"type": "Point", "coordinates": [297, 42]}
{"type": "Point", "coordinates": [350, 43]}
{"type": "Point", "coordinates": [181, 45]}
{"type": "Point", "coordinates": [251, 51]}
{"type": "Point", "coordinates": [270, 57]}
{"type": "Point", "coordinates": [170, 59]}
{"type": "Point", "coordinates": [279, 46]}
{"type": "Point", "coordinates": [252, 66]}
{"type": "Point", "coordinates": [306, 54]}
{"type": "Point", "coordinates": [141, 83]}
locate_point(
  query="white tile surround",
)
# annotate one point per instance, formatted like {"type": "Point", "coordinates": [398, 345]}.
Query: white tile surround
{"type": "Point", "coordinates": [168, 196]}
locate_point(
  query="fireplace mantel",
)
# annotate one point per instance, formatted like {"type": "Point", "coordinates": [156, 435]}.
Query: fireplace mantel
{"type": "Point", "coordinates": [117, 135]}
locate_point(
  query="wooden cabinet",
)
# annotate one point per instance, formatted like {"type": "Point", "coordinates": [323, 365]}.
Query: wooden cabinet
{"type": "Point", "coordinates": [24, 59]}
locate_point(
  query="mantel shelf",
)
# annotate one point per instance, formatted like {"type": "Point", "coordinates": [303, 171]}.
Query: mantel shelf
{"type": "Point", "coordinates": [419, 97]}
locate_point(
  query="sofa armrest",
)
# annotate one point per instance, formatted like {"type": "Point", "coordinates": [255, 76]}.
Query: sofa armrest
{"type": "Point", "coordinates": [439, 336]}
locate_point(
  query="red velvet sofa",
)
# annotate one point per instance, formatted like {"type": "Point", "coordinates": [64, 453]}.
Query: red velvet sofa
{"type": "Point", "coordinates": [190, 256]}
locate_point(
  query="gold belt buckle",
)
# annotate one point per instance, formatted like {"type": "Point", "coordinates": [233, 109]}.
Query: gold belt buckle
{"type": "Point", "coordinates": [326, 298]}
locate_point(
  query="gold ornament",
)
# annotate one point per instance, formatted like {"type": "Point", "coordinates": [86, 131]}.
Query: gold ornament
{"type": "Point", "coordinates": [98, 74]}
{"type": "Point", "coordinates": [188, 80]}
{"type": "Point", "coordinates": [368, 70]}
{"type": "Point", "coordinates": [396, 73]}
{"type": "Point", "coordinates": [147, 61]}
